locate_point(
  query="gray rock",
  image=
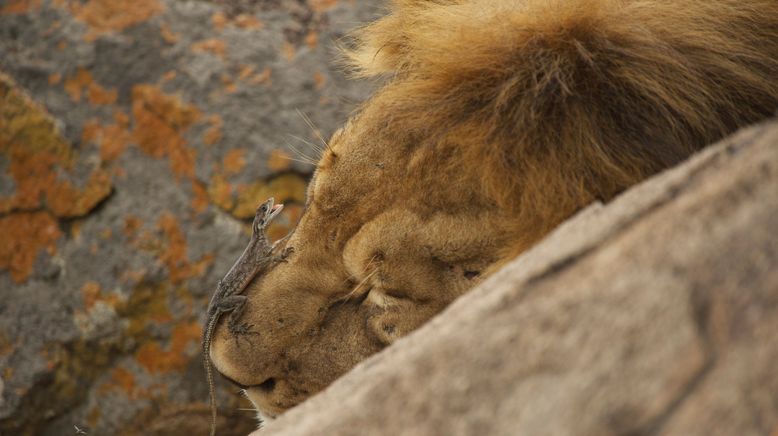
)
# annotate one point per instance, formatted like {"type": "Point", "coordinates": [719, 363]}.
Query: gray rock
{"type": "Point", "coordinates": [182, 108]}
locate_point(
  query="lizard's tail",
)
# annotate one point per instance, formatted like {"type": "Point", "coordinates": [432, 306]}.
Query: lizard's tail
{"type": "Point", "coordinates": [209, 373]}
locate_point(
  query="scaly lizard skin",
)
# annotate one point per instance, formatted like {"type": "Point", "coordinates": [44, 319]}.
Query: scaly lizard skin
{"type": "Point", "coordinates": [256, 258]}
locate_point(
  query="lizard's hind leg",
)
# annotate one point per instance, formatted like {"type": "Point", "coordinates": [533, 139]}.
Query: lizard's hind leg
{"type": "Point", "coordinates": [236, 304]}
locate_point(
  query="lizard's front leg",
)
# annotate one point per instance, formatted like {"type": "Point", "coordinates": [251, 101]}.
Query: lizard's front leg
{"type": "Point", "coordinates": [285, 253]}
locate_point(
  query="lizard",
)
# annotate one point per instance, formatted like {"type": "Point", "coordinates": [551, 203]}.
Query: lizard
{"type": "Point", "coordinates": [256, 258]}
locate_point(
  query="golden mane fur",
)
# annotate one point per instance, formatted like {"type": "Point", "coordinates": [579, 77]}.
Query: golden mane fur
{"type": "Point", "coordinates": [496, 121]}
{"type": "Point", "coordinates": [567, 101]}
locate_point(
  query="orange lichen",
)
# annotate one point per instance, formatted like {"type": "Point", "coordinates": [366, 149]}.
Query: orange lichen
{"type": "Point", "coordinates": [319, 80]}
{"type": "Point", "coordinates": [106, 16]}
{"type": "Point", "coordinates": [263, 77]}
{"type": "Point", "coordinates": [131, 225]}
{"type": "Point", "coordinates": [220, 192]}
{"type": "Point", "coordinates": [213, 45]}
{"type": "Point", "coordinates": [24, 236]}
{"type": "Point", "coordinates": [288, 51]}
{"type": "Point", "coordinates": [66, 201]}
{"type": "Point", "coordinates": [214, 133]}
{"type": "Point", "coordinates": [90, 293]}
{"type": "Point", "coordinates": [244, 21]}
{"type": "Point", "coordinates": [229, 83]}
{"type": "Point", "coordinates": [174, 252]}
{"type": "Point", "coordinates": [312, 39]}
{"type": "Point", "coordinates": [55, 78]}
{"type": "Point", "coordinates": [124, 380]}
{"type": "Point", "coordinates": [199, 197]}
{"type": "Point", "coordinates": [96, 94]}
{"type": "Point", "coordinates": [146, 306]}
{"type": "Point", "coordinates": [248, 22]}
{"type": "Point", "coordinates": [174, 256]}
{"type": "Point", "coordinates": [170, 75]}
{"type": "Point", "coordinates": [20, 6]}
{"type": "Point", "coordinates": [218, 20]}
{"type": "Point", "coordinates": [6, 347]}
{"type": "Point", "coordinates": [75, 84]}
{"type": "Point", "coordinates": [183, 335]}
{"type": "Point", "coordinates": [279, 160]}
{"type": "Point", "coordinates": [38, 156]}
{"type": "Point", "coordinates": [90, 130]}
{"type": "Point", "coordinates": [93, 416]}
{"type": "Point", "coordinates": [28, 172]}
{"type": "Point", "coordinates": [234, 161]}
{"type": "Point", "coordinates": [156, 360]}
{"type": "Point", "coordinates": [112, 138]}
{"type": "Point", "coordinates": [168, 35]}
{"type": "Point", "coordinates": [160, 123]}
{"type": "Point", "coordinates": [115, 137]}
{"type": "Point", "coordinates": [245, 72]}
{"type": "Point", "coordinates": [320, 6]}
{"type": "Point", "coordinates": [133, 276]}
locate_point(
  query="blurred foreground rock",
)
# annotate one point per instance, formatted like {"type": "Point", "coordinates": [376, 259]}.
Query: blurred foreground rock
{"type": "Point", "coordinates": [655, 314]}
{"type": "Point", "coordinates": [136, 138]}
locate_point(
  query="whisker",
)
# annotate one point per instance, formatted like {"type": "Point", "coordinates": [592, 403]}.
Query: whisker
{"type": "Point", "coordinates": [313, 127]}
{"type": "Point", "coordinates": [359, 285]}
{"type": "Point", "coordinates": [363, 281]}
{"type": "Point", "coordinates": [300, 151]}
{"type": "Point", "coordinates": [307, 162]}
{"type": "Point", "coordinates": [364, 270]}
{"type": "Point", "coordinates": [313, 145]}
{"type": "Point", "coordinates": [304, 158]}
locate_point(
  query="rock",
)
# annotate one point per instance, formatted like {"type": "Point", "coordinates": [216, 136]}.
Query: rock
{"type": "Point", "coordinates": [654, 314]}
{"type": "Point", "coordinates": [134, 137]}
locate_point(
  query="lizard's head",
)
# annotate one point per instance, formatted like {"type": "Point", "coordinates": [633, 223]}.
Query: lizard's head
{"type": "Point", "coordinates": [265, 214]}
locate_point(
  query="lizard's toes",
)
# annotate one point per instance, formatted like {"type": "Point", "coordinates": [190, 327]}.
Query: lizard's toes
{"type": "Point", "coordinates": [242, 329]}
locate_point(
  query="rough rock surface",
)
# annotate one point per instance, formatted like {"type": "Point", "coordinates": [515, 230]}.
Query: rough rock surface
{"type": "Point", "coordinates": [136, 136]}
{"type": "Point", "coordinates": [655, 314]}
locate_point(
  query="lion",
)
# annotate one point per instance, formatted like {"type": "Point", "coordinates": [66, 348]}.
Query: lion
{"type": "Point", "coordinates": [495, 122]}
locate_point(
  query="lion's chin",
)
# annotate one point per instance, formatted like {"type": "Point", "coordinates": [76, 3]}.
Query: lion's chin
{"type": "Point", "coordinates": [265, 411]}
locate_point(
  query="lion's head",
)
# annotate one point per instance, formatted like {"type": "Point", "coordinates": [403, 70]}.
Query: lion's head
{"type": "Point", "coordinates": [498, 121]}
{"type": "Point", "coordinates": [392, 233]}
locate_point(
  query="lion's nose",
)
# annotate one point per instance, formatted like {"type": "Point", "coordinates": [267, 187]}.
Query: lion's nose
{"type": "Point", "coordinates": [241, 369]}
{"type": "Point", "coordinates": [267, 385]}
{"type": "Point", "coordinates": [231, 380]}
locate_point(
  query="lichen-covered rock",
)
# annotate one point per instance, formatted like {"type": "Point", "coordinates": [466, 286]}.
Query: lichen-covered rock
{"type": "Point", "coordinates": [654, 314]}
{"type": "Point", "coordinates": [135, 138]}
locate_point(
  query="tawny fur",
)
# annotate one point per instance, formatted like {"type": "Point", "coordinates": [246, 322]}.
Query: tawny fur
{"type": "Point", "coordinates": [566, 101]}
{"type": "Point", "coordinates": [497, 120]}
